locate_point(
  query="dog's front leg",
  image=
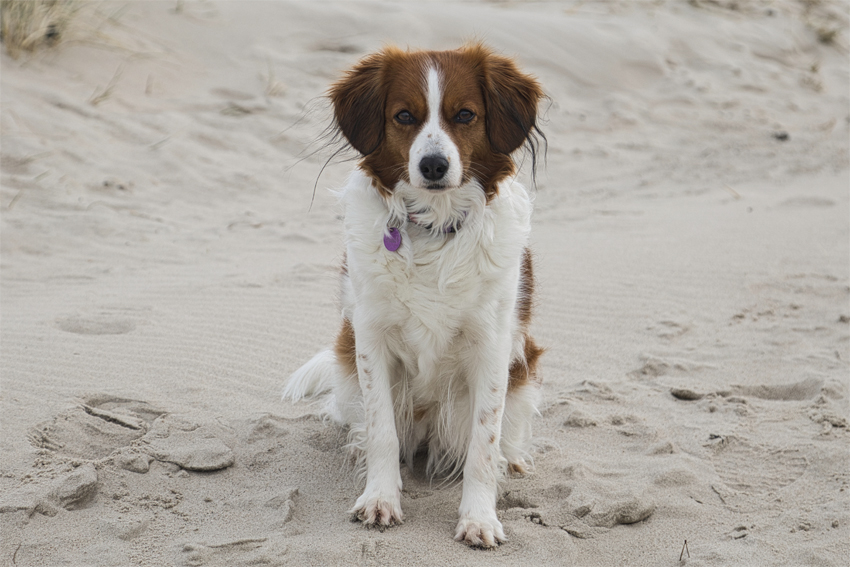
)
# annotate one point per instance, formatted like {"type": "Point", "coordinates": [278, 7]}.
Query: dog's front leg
{"type": "Point", "coordinates": [380, 503]}
{"type": "Point", "coordinates": [488, 382]}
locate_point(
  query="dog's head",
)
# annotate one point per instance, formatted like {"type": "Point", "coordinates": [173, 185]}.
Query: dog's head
{"type": "Point", "coordinates": [436, 119]}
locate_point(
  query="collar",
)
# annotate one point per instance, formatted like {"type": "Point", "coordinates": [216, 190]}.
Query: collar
{"type": "Point", "coordinates": [447, 229]}
{"type": "Point", "coordinates": [392, 235]}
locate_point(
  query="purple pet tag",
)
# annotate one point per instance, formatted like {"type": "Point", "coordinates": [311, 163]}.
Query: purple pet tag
{"type": "Point", "coordinates": [392, 241]}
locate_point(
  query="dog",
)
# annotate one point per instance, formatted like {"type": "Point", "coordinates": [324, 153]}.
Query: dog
{"type": "Point", "coordinates": [437, 283]}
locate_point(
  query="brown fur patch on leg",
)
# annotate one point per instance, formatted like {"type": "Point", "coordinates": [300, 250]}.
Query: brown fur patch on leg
{"type": "Point", "coordinates": [524, 371]}
{"type": "Point", "coordinates": [345, 350]}
{"type": "Point", "coordinates": [525, 293]}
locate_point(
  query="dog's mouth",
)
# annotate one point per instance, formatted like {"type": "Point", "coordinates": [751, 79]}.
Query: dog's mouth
{"type": "Point", "coordinates": [440, 185]}
{"type": "Point", "coordinates": [436, 187]}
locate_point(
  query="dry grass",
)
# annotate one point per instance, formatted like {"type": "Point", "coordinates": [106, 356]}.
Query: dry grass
{"type": "Point", "coordinates": [27, 25]}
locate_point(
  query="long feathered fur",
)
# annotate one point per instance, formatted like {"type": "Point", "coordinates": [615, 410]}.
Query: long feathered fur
{"type": "Point", "coordinates": [434, 350]}
{"type": "Point", "coordinates": [447, 433]}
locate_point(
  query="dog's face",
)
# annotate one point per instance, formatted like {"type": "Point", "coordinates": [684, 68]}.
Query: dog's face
{"type": "Point", "coordinates": [436, 120]}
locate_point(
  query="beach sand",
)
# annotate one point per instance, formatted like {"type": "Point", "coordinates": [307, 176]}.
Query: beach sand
{"type": "Point", "coordinates": [166, 265]}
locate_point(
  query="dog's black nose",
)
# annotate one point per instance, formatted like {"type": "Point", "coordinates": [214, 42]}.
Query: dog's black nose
{"type": "Point", "coordinates": [433, 168]}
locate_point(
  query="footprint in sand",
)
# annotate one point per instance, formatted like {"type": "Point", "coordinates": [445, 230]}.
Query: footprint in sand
{"type": "Point", "coordinates": [795, 391]}
{"type": "Point", "coordinates": [655, 366]}
{"type": "Point", "coordinates": [242, 512]}
{"type": "Point", "coordinates": [96, 324]}
{"type": "Point", "coordinates": [95, 428]}
{"type": "Point", "coordinates": [103, 431]}
{"type": "Point", "coordinates": [807, 389]}
{"type": "Point", "coordinates": [240, 552]}
{"type": "Point", "coordinates": [190, 446]}
{"type": "Point", "coordinates": [133, 432]}
{"type": "Point", "coordinates": [70, 490]}
{"type": "Point", "coordinates": [733, 462]}
{"type": "Point", "coordinates": [587, 504]}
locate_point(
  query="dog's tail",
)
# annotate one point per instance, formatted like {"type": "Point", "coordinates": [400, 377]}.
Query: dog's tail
{"type": "Point", "coordinates": [316, 377]}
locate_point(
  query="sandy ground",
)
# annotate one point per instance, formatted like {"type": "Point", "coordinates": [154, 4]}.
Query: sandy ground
{"type": "Point", "coordinates": [161, 276]}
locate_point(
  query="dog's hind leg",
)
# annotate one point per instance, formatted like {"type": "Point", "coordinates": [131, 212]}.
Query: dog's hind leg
{"type": "Point", "coordinates": [520, 406]}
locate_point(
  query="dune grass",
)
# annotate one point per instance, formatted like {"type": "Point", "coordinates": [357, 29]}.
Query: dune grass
{"type": "Point", "coordinates": [27, 25]}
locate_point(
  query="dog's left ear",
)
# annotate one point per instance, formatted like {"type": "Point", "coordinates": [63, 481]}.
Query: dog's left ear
{"type": "Point", "coordinates": [358, 99]}
{"type": "Point", "coordinates": [511, 98]}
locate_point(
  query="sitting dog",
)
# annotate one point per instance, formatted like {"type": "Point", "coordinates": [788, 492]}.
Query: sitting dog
{"type": "Point", "coordinates": [434, 350]}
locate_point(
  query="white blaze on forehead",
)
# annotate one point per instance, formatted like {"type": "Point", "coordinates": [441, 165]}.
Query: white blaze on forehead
{"type": "Point", "coordinates": [433, 139]}
{"type": "Point", "coordinates": [435, 99]}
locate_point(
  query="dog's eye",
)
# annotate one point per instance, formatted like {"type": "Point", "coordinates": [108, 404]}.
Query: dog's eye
{"type": "Point", "coordinates": [404, 117]}
{"type": "Point", "coordinates": [464, 116]}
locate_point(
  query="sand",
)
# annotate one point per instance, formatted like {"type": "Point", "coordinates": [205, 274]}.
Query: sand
{"type": "Point", "coordinates": [163, 272]}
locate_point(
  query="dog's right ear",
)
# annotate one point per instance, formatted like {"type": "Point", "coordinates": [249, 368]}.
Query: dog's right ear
{"type": "Point", "coordinates": [358, 100]}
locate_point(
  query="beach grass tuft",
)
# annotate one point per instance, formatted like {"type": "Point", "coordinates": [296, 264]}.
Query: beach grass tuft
{"type": "Point", "coordinates": [27, 25]}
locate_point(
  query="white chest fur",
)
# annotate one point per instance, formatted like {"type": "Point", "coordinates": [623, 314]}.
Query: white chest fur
{"type": "Point", "coordinates": [438, 290]}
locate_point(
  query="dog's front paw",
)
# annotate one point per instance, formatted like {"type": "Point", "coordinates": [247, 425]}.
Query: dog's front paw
{"type": "Point", "coordinates": [479, 532]}
{"type": "Point", "coordinates": [377, 510]}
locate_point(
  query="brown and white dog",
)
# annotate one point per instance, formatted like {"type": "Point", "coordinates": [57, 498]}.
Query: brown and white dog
{"type": "Point", "coordinates": [434, 350]}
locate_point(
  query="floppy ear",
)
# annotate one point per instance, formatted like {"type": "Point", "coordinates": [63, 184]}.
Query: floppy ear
{"type": "Point", "coordinates": [358, 100]}
{"type": "Point", "coordinates": [511, 98]}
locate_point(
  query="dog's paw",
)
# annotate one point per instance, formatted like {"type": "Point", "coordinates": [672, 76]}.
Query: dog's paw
{"type": "Point", "coordinates": [480, 532]}
{"type": "Point", "coordinates": [377, 510]}
{"type": "Point", "coordinates": [518, 467]}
